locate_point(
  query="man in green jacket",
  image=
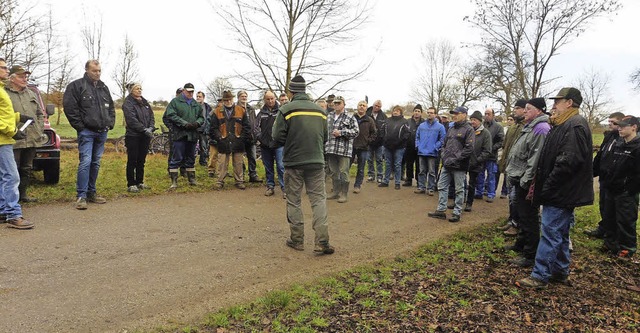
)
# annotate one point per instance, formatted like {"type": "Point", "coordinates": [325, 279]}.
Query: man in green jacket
{"type": "Point", "coordinates": [25, 102]}
{"type": "Point", "coordinates": [301, 127]}
{"type": "Point", "coordinates": [184, 115]}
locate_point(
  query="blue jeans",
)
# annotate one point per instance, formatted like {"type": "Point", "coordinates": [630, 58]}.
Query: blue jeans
{"type": "Point", "coordinates": [459, 178]}
{"type": "Point", "coordinates": [427, 173]}
{"type": "Point", "coordinates": [491, 169]}
{"type": "Point", "coordinates": [393, 159]}
{"type": "Point", "coordinates": [268, 156]}
{"type": "Point", "coordinates": [183, 154]}
{"type": "Point", "coordinates": [90, 149]}
{"type": "Point", "coordinates": [552, 256]}
{"type": "Point", "coordinates": [9, 181]}
{"type": "Point", "coordinates": [377, 154]}
{"type": "Point", "coordinates": [361, 156]}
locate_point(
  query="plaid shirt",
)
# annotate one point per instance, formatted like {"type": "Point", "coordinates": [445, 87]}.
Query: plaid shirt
{"type": "Point", "coordinates": [348, 127]}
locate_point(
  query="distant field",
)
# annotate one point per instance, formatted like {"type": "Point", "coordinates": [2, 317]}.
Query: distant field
{"type": "Point", "coordinates": [65, 130]}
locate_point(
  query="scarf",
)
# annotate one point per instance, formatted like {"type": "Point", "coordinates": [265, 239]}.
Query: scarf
{"type": "Point", "coordinates": [559, 120]}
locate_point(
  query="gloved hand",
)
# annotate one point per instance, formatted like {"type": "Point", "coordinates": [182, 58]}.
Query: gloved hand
{"type": "Point", "coordinates": [188, 126]}
{"type": "Point", "coordinates": [19, 135]}
{"type": "Point", "coordinates": [148, 132]}
{"type": "Point", "coordinates": [24, 118]}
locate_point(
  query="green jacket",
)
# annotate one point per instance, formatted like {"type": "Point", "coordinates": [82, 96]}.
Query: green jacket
{"type": "Point", "coordinates": [301, 127]}
{"type": "Point", "coordinates": [26, 103]}
{"type": "Point", "coordinates": [509, 139]}
{"type": "Point", "coordinates": [178, 114]}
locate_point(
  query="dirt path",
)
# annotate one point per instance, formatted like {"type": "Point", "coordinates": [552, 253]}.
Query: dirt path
{"type": "Point", "coordinates": [145, 261]}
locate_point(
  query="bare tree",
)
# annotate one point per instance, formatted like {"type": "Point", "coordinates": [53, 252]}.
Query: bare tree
{"type": "Point", "coordinates": [436, 84]}
{"type": "Point", "coordinates": [532, 32]}
{"type": "Point", "coordinates": [126, 70]}
{"type": "Point", "coordinates": [216, 87]}
{"type": "Point", "coordinates": [285, 38]}
{"type": "Point", "coordinates": [470, 84]}
{"type": "Point", "coordinates": [19, 30]}
{"type": "Point", "coordinates": [596, 101]}
{"type": "Point", "coordinates": [499, 77]}
{"type": "Point", "coordinates": [635, 79]}
{"type": "Point", "coordinates": [91, 34]}
{"type": "Point", "coordinates": [61, 78]}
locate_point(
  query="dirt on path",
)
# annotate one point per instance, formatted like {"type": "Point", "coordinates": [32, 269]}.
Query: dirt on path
{"type": "Point", "coordinates": [142, 262]}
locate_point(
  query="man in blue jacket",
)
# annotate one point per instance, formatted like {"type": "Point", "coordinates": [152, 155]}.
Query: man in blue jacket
{"type": "Point", "coordinates": [429, 139]}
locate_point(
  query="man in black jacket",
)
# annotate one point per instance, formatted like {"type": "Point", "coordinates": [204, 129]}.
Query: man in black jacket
{"type": "Point", "coordinates": [489, 183]}
{"type": "Point", "coordinates": [89, 108]}
{"type": "Point", "coordinates": [563, 182]}
{"type": "Point", "coordinates": [376, 150]}
{"type": "Point", "coordinates": [610, 136]}
{"type": "Point", "coordinates": [620, 181]}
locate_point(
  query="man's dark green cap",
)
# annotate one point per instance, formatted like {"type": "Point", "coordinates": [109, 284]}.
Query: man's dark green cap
{"type": "Point", "coordinates": [569, 93]}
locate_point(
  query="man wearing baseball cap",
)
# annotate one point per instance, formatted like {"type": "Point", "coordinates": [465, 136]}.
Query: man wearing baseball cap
{"type": "Point", "coordinates": [563, 182]}
{"type": "Point", "coordinates": [620, 179]}
{"type": "Point", "coordinates": [456, 154]}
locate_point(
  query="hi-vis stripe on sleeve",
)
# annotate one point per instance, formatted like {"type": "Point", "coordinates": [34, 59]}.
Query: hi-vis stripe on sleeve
{"type": "Point", "coordinates": [305, 113]}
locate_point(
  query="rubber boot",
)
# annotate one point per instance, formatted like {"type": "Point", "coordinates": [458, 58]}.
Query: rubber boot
{"type": "Point", "coordinates": [335, 194]}
{"type": "Point", "coordinates": [343, 192]}
{"type": "Point", "coordinates": [174, 179]}
{"type": "Point", "coordinates": [191, 175]}
{"type": "Point", "coordinates": [22, 188]}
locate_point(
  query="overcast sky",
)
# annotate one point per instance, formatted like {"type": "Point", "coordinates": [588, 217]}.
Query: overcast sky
{"type": "Point", "coordinates": [180, 42]}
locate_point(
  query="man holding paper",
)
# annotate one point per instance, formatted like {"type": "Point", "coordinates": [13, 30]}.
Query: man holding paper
{"type": "Point", "coordinates": [10, 210]}
{"type": "Point", "coordinates": [25, 102]}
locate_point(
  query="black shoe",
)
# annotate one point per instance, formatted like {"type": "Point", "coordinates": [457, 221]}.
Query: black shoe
{"type": "Point", "coordinates": [560, 279]}
{"type": "Point", "coordinates": [467, 208]}
{"type": "Point", "coordinates": [397, 187]}
{"type": "Point", "coordinates": [383, 185]}
{"type": "Point", "coordinates": [407, 183]}
{"type": "Point", "coordinates": [438, 215]}
{"type": "Point", "coordinates": [454, 218]}
{"type": "Point", "coordinates": [451, 206]}
{"type": "Point", "coordinates": [521, 261]}
{"type": "Point", "coordinates": [255, 179]}
{"type": "Point", "coordinates": [595, 233]}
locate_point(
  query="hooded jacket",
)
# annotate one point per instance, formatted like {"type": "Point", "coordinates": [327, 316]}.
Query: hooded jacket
{"type": "Point", "coordinates": [395, 133]}
{"type": "Point", "coordinates": [458, 146]}
{"type": "Point", "coordinates": [525, 153]}
{"type": "Point", "coordinates": [430, 138]}
{"type": "Point", "coordinates": [137, 115]}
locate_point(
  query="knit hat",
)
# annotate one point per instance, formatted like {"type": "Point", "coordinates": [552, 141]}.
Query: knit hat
{"type": "Point", "coordinates": [133, 85]}
{"type": "Point", "coordinates": [297, 85]}
{"type": "Point", "coordinates": [521, 103]}
{"type": "Point", "coordinates": [418, 107]}
{"type": "Point", "coordinates": [539, 103]}
{"type": "Point", "coordinates": [477, 114]}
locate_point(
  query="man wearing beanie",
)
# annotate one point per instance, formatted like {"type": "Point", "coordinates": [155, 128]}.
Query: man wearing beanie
{"type": "Point", "coordinates": [301, 127]}
{"type": "Point", "coordinates": [563, 182]}
{"type": "Point", "coordinates": [511, 227]}
{"type": "Point", "coordinates": [521, 170]}
{"type": "Point", "coordinates": [481, 152]}
{"type": "Point", "coordinates": [410, 157]}
{"type": "Point", "coordinates": [458, 147]}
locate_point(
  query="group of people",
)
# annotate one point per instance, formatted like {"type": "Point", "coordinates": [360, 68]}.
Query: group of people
{"type": "Point", "coordinates": [545, 157]}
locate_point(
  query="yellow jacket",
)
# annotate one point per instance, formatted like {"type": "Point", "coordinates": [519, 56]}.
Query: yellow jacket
{"type": "Point", "coordinates": [8, 118]}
